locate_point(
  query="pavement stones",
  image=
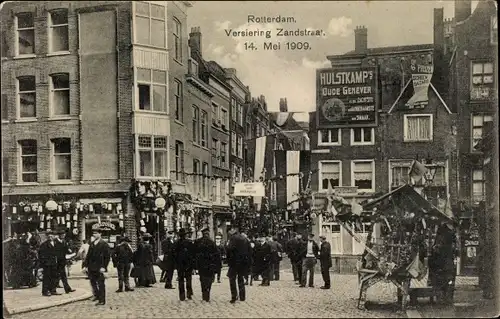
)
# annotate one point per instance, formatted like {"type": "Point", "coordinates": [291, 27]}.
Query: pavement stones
{"type": "Point", "coordinates": [282, 299]}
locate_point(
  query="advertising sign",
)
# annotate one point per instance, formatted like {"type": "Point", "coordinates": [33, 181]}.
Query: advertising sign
{"type": "Point", "coordinates": [249, 189]}
{"type": "Point", "coordinates": [346, 97]}
{"type": "Point", "coordinates": [421, 75]}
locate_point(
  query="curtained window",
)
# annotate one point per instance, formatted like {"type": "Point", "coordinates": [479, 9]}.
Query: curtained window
{"type": "Point", "coordinates": [330, 174]}
{"type": "Point", "coordinates": [363, 175]}
{"type": "Point", "coordinates": [418, 128]}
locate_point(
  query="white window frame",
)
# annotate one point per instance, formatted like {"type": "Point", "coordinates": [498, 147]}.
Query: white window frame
{"type": "Point", "coordinates": [233, 109]}
{"type": "Point", "coordinates": [485, 118]}
{"type": "Point", "coordinates": [330, 143]}
{"type": "Point", "coordinates": [330, 235]}
{"type": "Point", "coordinates": [353, 182]}
{"type": "Point", "coordinates": [215, 148]}
{"type": "Point", "coordinates": [134, 11]}
{"type": "Point", "coordinates": [488, 86]}
{"type": "Point", "coordinates": [151, 85]}
{"type": "Point", "coordinates": [203, 128]}
{"type": "Point", "coordinates": [233, 143]}
{"type": "Point", "coordinates": [20, 171]}
{"type": "Point", "coordinates": [476, 181]}
{"type": "Point", "coordinates": [320, 173]}
{"type": "Point", "coordinates": [224, 146]}
{"type": "Point", "coordinates": [196, 125]}
{"type": "Point", "coordinates": [152, 150]}
{"type": "Point", "coordinates": [52, 26]}
{"type": "Point", "coordinates": [52, 90]}
{"type": "Point", "coordinates": [16, 21]}
{"type": "Point", "coordinates": [405, 128]}
{"type": "Point", "coordinates": [179, 99]}
{"type": "Point", "coordinates": [177, 32]}
{"type": "Point", "coordinates": [216, 114]}
{"type": "Point", "coordinates": [494, 30]}
{"type": "Point", "coordinates": [363, 142]}
{"type": "Point", "coordinates": [18, 99]}
{"type": "Point", "coordinates": [53, 155]}
{"type": "Point", "coordinates": [392, 163]}
{"type": "Point", "coordinates": [240, 146]}
{"type": "Point", "coordinates": [224, 114]}
{"type": "Point", "coordinates": [240, 113]}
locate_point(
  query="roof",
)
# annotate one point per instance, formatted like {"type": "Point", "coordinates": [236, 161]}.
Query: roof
{"type": "Point", "coordinates": [388, 50]}
{"type": "Point", "coordinates": [431, 86]}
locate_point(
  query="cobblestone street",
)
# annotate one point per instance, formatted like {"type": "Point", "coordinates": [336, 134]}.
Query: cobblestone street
{"type": "Point", "coordinates": [281, 299]}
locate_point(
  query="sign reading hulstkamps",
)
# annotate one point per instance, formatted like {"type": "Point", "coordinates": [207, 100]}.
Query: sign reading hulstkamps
{"type": "Point", "coordinates": [346, 97]}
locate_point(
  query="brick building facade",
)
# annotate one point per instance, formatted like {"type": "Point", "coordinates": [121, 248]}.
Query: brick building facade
{"type": "Point", "coordinates": [377, 158]}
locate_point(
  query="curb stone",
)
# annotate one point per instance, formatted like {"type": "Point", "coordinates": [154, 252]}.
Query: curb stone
{"type": "Point", "coordinates": [13, 311]}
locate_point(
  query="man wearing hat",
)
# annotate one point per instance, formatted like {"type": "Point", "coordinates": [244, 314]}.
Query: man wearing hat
{"type": "Point", "coordinates": [167, 247]}
{"type": "Point", "coordinates": [309, 261]}
{"type": "Point", "coordinates": [47, 256]}
{"type": "Point", "coordinates": [325, 259]}
{"type": "Point", "coordinates": [145, 262]}
{"type": "Point", "coordinates": [122, 259]}
{"type": "Point", "coordinates": [239, 260]}
{"type": "Point", "coordinates": [62, 248]}
{"type": "Point", "coordinates": [207, 262]}
{"type": "Point", "coordinates": [96, 264]}
{"type": "Point", "coordinates": [184, 255]}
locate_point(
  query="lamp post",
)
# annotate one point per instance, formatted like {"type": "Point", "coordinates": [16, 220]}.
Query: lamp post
{"type": "Point", "coordinates": [160, 204]}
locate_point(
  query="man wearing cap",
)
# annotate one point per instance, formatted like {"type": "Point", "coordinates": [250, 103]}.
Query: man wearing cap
{"type": "Point", "coordinates": [325, 259]}
{"type": "Point", "coordinates": [207, 262]}
{"type": "Point", "coordinates": [183, 253]}
{"type": "Point", "coordinates": [167, 247]}
{"type": "Point", "coordinates": [96, 264]}
{"type": "Point", "coordinates": [62, 248]}
{"type": "Point", "coordinates": [48, 262]}
{"type": "Point", "coordinates": [122, 259]}
{"type": "Point", "coordinates": [309, 261]}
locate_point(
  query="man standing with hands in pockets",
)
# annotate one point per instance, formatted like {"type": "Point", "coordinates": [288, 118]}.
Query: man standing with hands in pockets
{"type": "Point", "coordinates": [325, 259]}
{"type": "Point", "coordinates": [96, 264]}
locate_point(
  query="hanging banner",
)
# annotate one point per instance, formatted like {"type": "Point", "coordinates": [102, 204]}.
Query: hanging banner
{"type": "Point", "coordinates": [249, 189]}
{"type": "Point", "coordinates": [422, 69]}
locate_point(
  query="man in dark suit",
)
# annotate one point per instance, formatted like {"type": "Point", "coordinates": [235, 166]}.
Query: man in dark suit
{"type": "Point", "coordinates": [183, 253]}
{"type": "Point", "coordinates": [207, 262]}
{"type": "Point", "coordinates": [122, 259]}
{"type": "Point", "coordinates": [325, 259]}
{"type": "Point", "coordinates": [62, 248]}
{"type": "Point", "coordinates": [239, 260]}
{"type": "Point", "coordinates": [167, 247]}
{"type": "Point", "coordinates": [309, 260]}
{"type": "Point", "coordinates": [263, 258]}
{"type": "Point", "coordinates": [96, 264]}
{"type": "Point", "coordinates": [48, 262]}
{"type": "Point", "coordinates": [291, 250]}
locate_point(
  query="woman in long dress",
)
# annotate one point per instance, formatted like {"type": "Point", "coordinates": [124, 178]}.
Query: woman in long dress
{"type": "Point", "coordinates": [145, 259]}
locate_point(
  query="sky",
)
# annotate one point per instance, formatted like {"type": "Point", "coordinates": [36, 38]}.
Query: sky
{"type": "Point", "coordinates": [291, 73]}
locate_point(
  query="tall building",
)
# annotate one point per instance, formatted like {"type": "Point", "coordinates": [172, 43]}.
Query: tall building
{"type": "Point", "coordinates": [367, 130]}
{"type": "Point", "coordinates": [473, 91]}
{"type": "Point", "coordinates": [88, 94]}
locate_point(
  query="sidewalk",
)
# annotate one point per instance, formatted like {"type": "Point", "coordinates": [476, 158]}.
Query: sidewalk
{"type": "Point", "coordinates": [30, 299]}
{"type": "Point", "coordinates": [467, 303]}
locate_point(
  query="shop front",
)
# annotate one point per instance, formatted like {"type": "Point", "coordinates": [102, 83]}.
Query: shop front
{"type": "Point", "coordinates": [223, 221]}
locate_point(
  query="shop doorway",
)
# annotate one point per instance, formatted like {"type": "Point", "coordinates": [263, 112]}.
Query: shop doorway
{"type": "Point", "coordinates": [155, 227]}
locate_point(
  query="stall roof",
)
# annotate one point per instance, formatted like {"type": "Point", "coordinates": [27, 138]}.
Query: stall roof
{"type": "Point", "coordinates": [413, 197]}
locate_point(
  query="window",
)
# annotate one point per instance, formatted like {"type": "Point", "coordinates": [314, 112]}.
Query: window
{"type": "Point", "coordinates": [204, 129]}
{"type": "Point", "coordinates": [233, 172]}
{"type": "Point", "coordinates": [5, 108]}
{"type": "Point", "coordinates": [28, 161]}
{"type": "Point", "coordinates": [58, 30]}
{"type": "Point", "coordinates": [329, 137]}
{"type": "Point", "coordinates": [223, 117]}
{"type": "Point", "coordinates": [240, 146]}
{"type": "Point", "coordinates": [150, 24]}
{"type": "Point", "coordinates": [153, 156]}
{"type": "Point", "coordinates": [62, 159]}
{"type": "Point", "coordinates": [477, 129]}
{"type": "Point", "coordinates": [5, 170]}
{"type": "Point", "coordinates": [224, 186]}
{"type": "Point", "coordinates": [223, 155]}
{"type": "Point", "coordinates": [233, 109]}
{"type": "Point", "coordinates": [363, 175]}
{"type": "Point", "coordinates": [25, 34]}
{"type": "Point", "coordinates": [478, 185]}
{"type": "Point", "coordinates": [196, 178]}
{"type": "Point", "coordinates": [178, 100]}
{"type": "Point", "coordinates": [179, 161]}
{"type": "Point", "coordinates": [399, 172]}
{"type": "Point", "coordinates": [494, 30]}
{"type": "Point", "coordinates": [330, 174]}
{"type": "Point", "coordinates": [417, 128]}
{"type": "Point", "coordinates": [204, 187]}
{"type": "Point", "coordinates": [215, 190]}
{"type": "Point", "coordinates": [196, 124]}
{"type": "Point", "coordinates": [362, 136]}
{"type": "Point", "coordinates": [249, 134]}
{"type": "Point", "coordinates": [215, 114]}
{"type": "Point", "coordinates": [152, 90]}
{"type": "Point", "coordinates": [239, 110]}
{"type": "Point", "coordinates": [177, 31]}
{"type": "Point", "coordinates": [59, 89]}
{"type": "Point", "coordinates": [233, 143]}
{"type": "Point", "coordinates": [27, 96]}
{"type": "Point", "coordinates": [215, 152]}
{"type": "Point", "coordinates": [482, 81]}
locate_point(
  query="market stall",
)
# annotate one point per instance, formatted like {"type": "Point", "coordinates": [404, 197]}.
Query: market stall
{"type": "Point", "coordinates": [412, 244]}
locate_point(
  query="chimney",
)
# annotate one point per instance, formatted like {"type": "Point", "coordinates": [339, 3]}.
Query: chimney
{"type": "Point", "coordinates": [195, 39]}
{"type": "Point", "coordinates": [463, 9]}
{"type": "Point", "coordinates": [438, 54]}
{"type": "Point", "coordinates": [360, 39]}
{"type": "Point", "coordinates": [283, 106]}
